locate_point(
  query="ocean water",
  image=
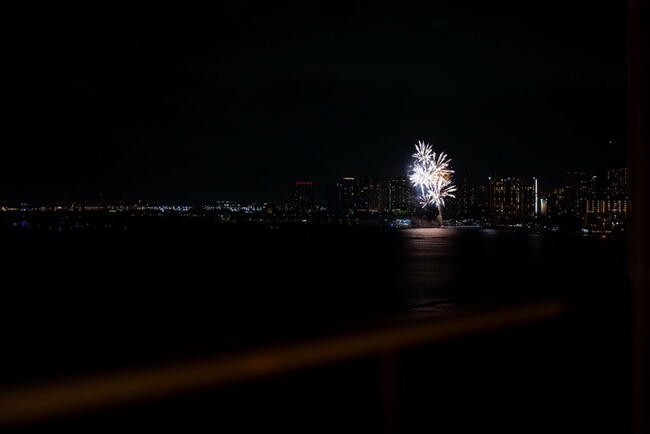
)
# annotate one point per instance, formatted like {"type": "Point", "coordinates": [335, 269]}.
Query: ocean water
{"type": "Point", "coordinates": [440, 269]}
{"type": "Point", "coordinates": [87, 300]}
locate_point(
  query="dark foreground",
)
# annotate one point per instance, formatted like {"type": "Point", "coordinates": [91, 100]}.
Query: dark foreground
{"type": "Point", "coordinates": [91, 302]}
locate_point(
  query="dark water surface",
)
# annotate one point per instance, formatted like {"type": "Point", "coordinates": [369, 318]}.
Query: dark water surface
{"type": "Point", "coordinates": [88, 300]}
{"type": "Point", "coordinates": [443, 268]}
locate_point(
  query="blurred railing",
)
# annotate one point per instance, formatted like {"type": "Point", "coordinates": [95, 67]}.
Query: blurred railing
{"type": "Point", "coordinates": [72, 396]}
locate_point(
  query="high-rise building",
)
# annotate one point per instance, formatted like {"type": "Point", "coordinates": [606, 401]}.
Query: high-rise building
{"type": "Point", "coordinates": [617, 182]}
{"type": "Point", "coordinates": [513, 200]}
{"type": "Point", "coordinates": [342, 196]}
{"type": "Point", "coordinates": [579, 187]}
{"type": "Point", "coordinates": [369, 194]}
{"type": "Point", "coordinates": [550, 199]}
{"type": "Point", "coordinates": [608, 208]}
{"type": "Point", "coordinates": [556, 204]}
{"type": "Point", "coordinates": [618, 194]}
{"type": "Point", "coordinates": [351, 195]}
{"type": "Point", "coordinates": [334, 197]}
{"type": "Point", "coordinates": [543, 206]}
{"type": "Point", "coordinates": [348, 194]}
{"type": "Point", "coordinates": [560, 203]}
{"type": "Point", "coordinates": [400, 193]}
{"type": "Point", "coordinates": [484, 199]}
{"type": "Point", "coordinates": [303, 196]}
{"type": "Point", "coordinates": [372, 194]}
{"type": "Point", "coordinates": [468, 196]}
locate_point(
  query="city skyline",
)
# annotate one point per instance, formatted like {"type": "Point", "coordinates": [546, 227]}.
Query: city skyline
{"type": "Point", "coordinates": [319, 190]}
{"type": "Point", "coordinates": [584, 200]}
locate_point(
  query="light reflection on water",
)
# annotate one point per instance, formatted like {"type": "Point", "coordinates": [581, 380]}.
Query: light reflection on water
{"type": "Point", "coordinates": [446, 267]}
{"type": "Point", "coordinates": [428, 266]}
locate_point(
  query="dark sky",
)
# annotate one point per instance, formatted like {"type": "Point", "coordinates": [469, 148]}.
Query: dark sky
{"type": "Point", "coordinates": [238, 100]}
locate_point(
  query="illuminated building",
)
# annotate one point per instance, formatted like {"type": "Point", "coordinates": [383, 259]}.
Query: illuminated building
{"type": "Point", "coordinates": [304, 196]}
{"type": "Point", "coordinates": [351, 195]}
{"type": "Point", "coordinates": [372, 194]}
{"type": "Point", "coordinates": [342, 196]}
{"type": "Point", "coordinates": [513, 200]}
{"type": "Point", "coordinates": [399, 193]}
{"type": "Point", "coordinates": [617, 182]}
{"type": "Point", "coordinates": [471, 197]}
{"type": "Point", "coordinates": [369, 194]}
{"type": "Point", "coordinates": [467, 194]}
{"type": "Point", "coordinates": [553, 204]}
{"type": "Point", "coordinates": [609, 207]}
{"type": "Point", "coordinates": [618, 199]}
{"type": "Point", "coordinates": [347, 194]}
{"type": "Point", "coordinates": [543, 207]}
{"type": "Point", "coordinates": [579, 187]}
{"type": "Point", "coordinates": [334, 197]}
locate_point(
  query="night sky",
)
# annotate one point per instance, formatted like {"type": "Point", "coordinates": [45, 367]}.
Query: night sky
{"type": "Point", "coordinates": [238, 100]}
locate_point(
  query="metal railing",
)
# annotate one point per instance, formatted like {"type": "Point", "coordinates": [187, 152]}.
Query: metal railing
{"type": "Point", "coordinates": [72, 396]}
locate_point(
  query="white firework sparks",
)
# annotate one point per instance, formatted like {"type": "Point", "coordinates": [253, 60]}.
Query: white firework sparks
{"type": "Point", "coordinates": [432, 176]}
{"type": "Point", "coordinates": [423, 152]}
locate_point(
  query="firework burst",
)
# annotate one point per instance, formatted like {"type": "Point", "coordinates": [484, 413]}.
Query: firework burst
{"type": "Point", "coordinates": [431, 175]}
